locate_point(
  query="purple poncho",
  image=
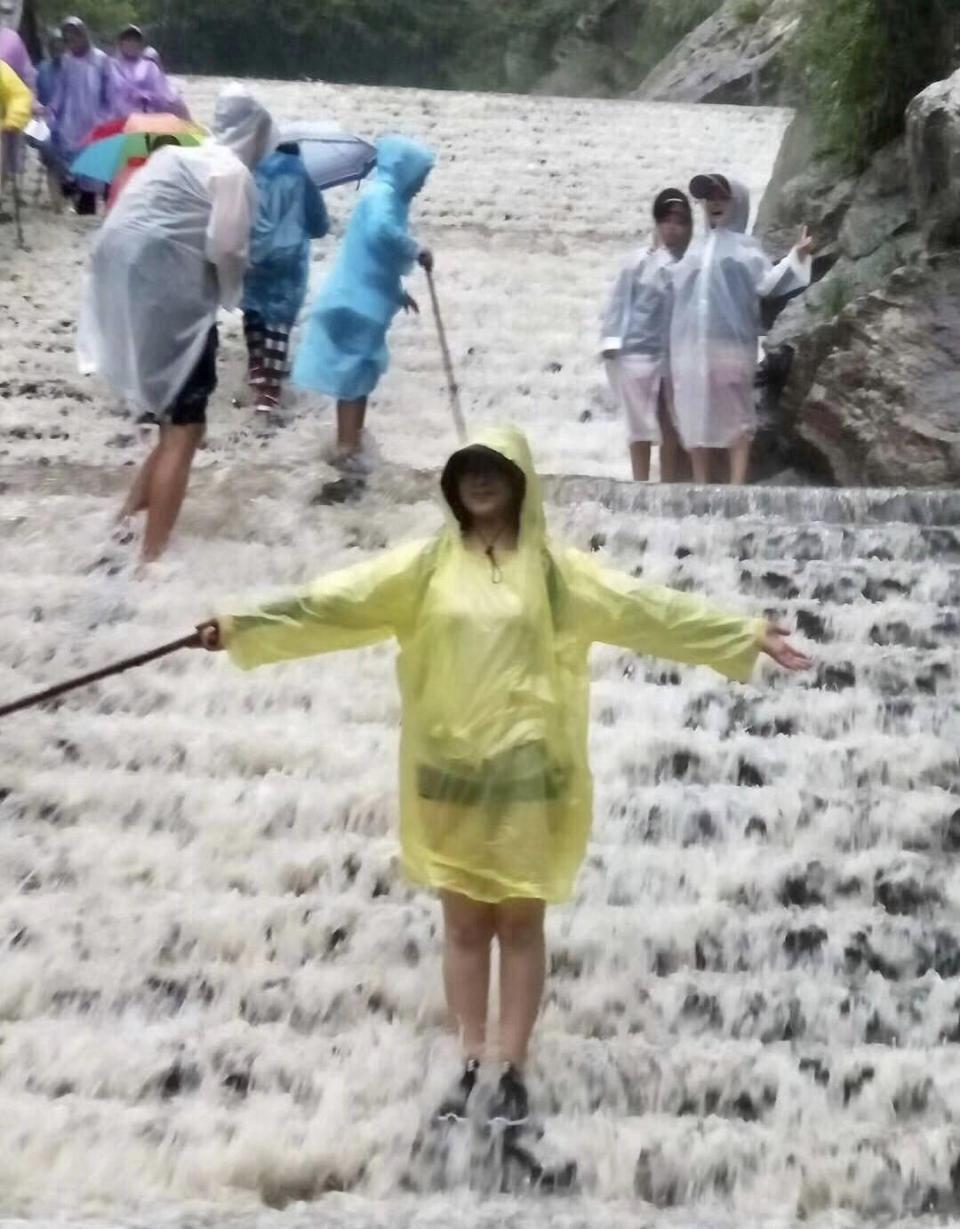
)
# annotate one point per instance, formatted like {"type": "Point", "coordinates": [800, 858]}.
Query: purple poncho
{"type": "Point", "coordinates": [82, 100]}
{"type": "Point", "coordinates": [139, 84]}
{"type": "Point", "coordinates": [14, 53]}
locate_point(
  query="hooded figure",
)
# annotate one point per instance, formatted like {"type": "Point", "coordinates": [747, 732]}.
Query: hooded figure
{"type": "Point", "coordinates": [139, 83]}
{"type": "Point", "coordinates": [344, 351]}
{"type": "Point", "coordinates": [715, 331]}
{"type": "Point", "coordinates": [48, 74]}
{"type": "Point", "coordinates": [82, 98]}
{"type": "Point", "coordinates": [170, 254]}
{"type": "Point", "coordinates": [636, 337]}
{"type": "Point", "coordinates": [495, 787]}
{"type": "Point", "coordinates": [291, 213]}
{"type": "Point", "coordinates": [494, 628]}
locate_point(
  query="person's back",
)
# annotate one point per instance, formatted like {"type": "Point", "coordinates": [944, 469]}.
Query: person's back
{"type": "Point", "coordinates": [172, 252]}
{"type": "Point", "coordinates": [152, 278]}
{"type": "Point", "coordinates": [290, 214]}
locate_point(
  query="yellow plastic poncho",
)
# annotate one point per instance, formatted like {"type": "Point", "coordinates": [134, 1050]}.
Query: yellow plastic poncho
{"type": "Point", "coordinates": [16, 101]}
{"type": "Point", "coordinates": [495, 787]}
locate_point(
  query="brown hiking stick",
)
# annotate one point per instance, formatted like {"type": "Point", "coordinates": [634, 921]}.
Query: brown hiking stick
{"type": "Point", "coordinates": [52, 693]}
{"type": "Point", "coordinates": [459, 421]}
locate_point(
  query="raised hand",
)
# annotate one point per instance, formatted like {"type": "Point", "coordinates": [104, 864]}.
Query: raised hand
{"type": "Point", "coordinates": [410, 304]}
{"type": "Point", "coordinates": [805, 243]}
{"type": "Point", "coordinates": [776, 644]}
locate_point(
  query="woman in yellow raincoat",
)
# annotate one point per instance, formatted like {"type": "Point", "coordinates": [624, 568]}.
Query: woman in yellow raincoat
{"type": "Point", "coordinates": [494, 626]}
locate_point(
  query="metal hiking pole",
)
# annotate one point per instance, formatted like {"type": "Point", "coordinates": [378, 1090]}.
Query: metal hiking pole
{"type": "Point", "coordinates": [459, 421]}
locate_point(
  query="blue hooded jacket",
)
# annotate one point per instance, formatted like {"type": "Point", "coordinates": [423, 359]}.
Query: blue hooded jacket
{"type": "Point", "coordinates": [344, 351]}
{"type": "Point", "coordinates": [291, 212]}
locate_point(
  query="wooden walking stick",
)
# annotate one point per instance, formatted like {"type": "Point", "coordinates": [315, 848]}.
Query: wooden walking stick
{"type": "Point", "coordinates": [142, 659]}
{"type": "Point", "coordinates": [18, 221]}
{"type": "Point", "coordinates": [459, 421]}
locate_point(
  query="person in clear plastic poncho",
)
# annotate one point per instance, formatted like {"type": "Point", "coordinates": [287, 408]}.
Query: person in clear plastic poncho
{"type": "Point", "coordinates": [636, 340]}
{"type": "Point", "coordinates": [494, 625]}
{"type": "Point", "coordinates": [172, 252]}
{"type": "Point", "coordinates": [715, 330]}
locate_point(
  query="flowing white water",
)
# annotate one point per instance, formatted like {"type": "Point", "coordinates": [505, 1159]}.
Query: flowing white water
{"type": "Point", "coordinates": [217, 996]}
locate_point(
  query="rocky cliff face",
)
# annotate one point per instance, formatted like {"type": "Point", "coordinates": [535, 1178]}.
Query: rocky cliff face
{"type": "Point", "coordinates": [739, 55]}
{"type": "Point", "coordinates": [873, 350]}
{"type": "Point", "coordinates": [736, 51]}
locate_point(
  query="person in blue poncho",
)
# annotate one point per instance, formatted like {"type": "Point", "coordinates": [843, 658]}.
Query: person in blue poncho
{"type": "Point", "coordinates": [344, 351]}
{"type": "Point", "coordinates": [291, 212]}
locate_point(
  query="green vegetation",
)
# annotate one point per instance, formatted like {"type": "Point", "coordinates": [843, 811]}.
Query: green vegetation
{"type": "Point", "coordinates": [748, 11]}
{"type": "Point", "coordinates": [861, 61]}
{"type": "Point", "coordinates": [858, 62]}
{"type": "Point", "coordinates": [663, 24]}
{"type": "Point", "coordinates": [443, 43]}
{"type": "Point", "coordinates": [837, 292]}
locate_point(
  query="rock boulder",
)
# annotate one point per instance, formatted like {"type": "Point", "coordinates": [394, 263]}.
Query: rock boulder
{"type": "Point", "coordinates": [739, 55]}
{"type": "Point", "coordinates": [933, 144]}
{"type": "Point", "coordinates": [872, 391]}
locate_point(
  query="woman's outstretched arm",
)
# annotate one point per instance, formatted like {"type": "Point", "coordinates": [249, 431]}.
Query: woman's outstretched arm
{"type": "Point", "coordinates": [358, 606]}
{"type": "Point", "coordinates": [610, 607]}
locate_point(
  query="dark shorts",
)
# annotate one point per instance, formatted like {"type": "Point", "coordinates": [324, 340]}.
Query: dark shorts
{"type": "Point", "coordinates": [190, 407]}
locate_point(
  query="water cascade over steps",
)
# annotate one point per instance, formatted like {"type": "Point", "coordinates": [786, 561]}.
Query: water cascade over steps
{"type": "Point", "coordinates": [215, 985]}
{"type": "Point", "coordinates": [217, 995]}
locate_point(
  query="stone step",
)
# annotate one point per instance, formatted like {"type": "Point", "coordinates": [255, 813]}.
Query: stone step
{"type": "Point", "coordinates": [670, 813]}
{"type": "Point", "coordinates": [662, 1160]}
{"type": "Point", "coordinates": [709, 936]}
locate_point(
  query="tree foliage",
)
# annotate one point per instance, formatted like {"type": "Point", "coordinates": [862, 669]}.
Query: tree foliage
{"type": "Point", "coordinates": [443, 43]}
{"type": "Point", "coordinates": [862, 61]}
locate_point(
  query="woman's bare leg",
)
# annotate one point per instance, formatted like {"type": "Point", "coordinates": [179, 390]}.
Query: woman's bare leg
{"type": "Point", "coordinates": [700, 460]}
{"type": "Point", "coordinates": [674, 462]}
{"type": "Point", "coordinates": [523, 965]}
{"type": "Point", "coordinates": [640, 460]}
{"type": "Point", "coordinates": [138, 498]}
{"type": "Point", "coordinates": [468, 929]}
{"type": "Point", "coordinates": [168, 485]}
{"type": "Point", "coordinates": [740, 461]}
{"type": "Point", "coordinates": [350, 419]}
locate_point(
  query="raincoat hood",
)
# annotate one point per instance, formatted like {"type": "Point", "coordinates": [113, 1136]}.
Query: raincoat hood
{"type": "Point", "coordinates": [510, 444]}
{"type": "Point", "coordinates": [404, 164]}
{"type": "Point", "coordinates": [740, 214]}
{"type": "Point", "coordinates": [244, 125]}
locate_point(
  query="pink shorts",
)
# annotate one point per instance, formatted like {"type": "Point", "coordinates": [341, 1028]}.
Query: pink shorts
{"type": "Point", "coordinates": [642, 391]}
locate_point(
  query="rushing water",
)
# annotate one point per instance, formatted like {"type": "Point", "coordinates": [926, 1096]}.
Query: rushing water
{"type": "Point", "coordinates": [219, 1002]}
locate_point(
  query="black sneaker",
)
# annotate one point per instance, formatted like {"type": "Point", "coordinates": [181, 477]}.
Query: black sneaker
{"type": "Point", "coordinates": [453, 1108]}
{"type": "Point", "coordinates": [511, 1104]}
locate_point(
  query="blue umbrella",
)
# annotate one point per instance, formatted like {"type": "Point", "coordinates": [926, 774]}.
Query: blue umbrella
{"type": "Point", "coordinates": [331, 156]}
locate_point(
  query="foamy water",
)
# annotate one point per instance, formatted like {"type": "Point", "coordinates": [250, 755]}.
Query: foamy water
{"type": "Point", "coordinates": [220, 1003]}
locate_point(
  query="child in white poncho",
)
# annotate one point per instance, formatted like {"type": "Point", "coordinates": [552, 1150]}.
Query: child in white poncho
{"type": "Point", "coordinates": [636, 330]}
